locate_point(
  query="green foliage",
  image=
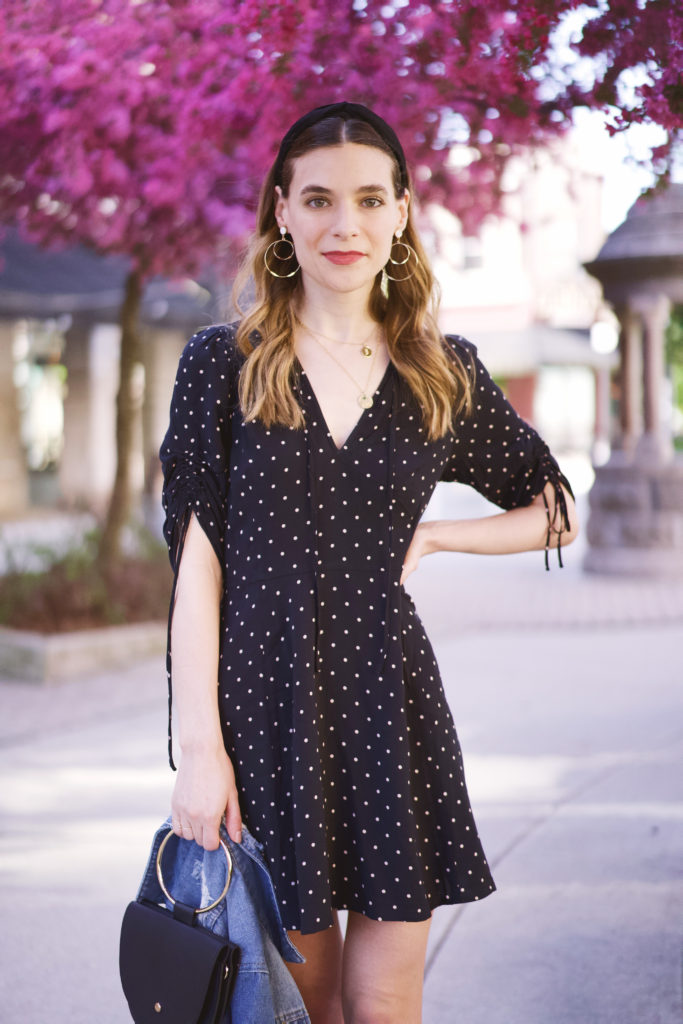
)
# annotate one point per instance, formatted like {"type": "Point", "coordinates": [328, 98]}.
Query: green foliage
{"type": "Point", "coordinates": [674, 358]}
{"type": "Point", "coordinates": [674, 338]}
{"type": "Point", "coordinates": [72, 590]}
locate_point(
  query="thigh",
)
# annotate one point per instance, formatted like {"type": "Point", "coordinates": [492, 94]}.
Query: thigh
{"type": "Point", "coordinates": [319, 979]}
{"type": "Point", "coordinates": [383, 970]}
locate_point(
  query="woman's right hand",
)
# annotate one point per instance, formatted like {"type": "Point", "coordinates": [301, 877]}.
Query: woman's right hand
{"type": "Point", "coordinates": [204, 794]}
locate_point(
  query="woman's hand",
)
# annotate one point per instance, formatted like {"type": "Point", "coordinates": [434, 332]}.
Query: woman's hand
{"type": "Point", "coordinates": [418, 547]}
{"type": "Point", "coordinates": [204, 794]}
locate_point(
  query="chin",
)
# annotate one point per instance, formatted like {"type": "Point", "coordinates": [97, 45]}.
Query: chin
{"type": "Point", "coordinates": [350, 278]}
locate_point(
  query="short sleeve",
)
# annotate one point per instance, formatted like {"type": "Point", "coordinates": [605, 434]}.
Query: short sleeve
{"type": "Point", "coordinates": [498, 453]}
{"type": "Point", "coordinates": [195, 451]}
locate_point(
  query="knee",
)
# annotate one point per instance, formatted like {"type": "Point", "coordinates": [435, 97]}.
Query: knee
{"type": "Point", "coordinates": [324, 1011]}
{"type": "Point", "coordinates": [323, 1003]}
{"type": "Point", "coordinates": [369, 1016]}
{"type": "Point", "coordinates": [372, 1009]}
{"type": "Point", "coordinates": [373, 1018]}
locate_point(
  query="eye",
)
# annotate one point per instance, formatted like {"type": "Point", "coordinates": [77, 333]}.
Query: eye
{"type": "Point", "coordinates": [372, 202]}
{"type": "Point", "coordinates": [317, 202]}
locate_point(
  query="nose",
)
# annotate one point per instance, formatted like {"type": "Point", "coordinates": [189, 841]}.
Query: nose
{"type": "Point", "coordinates": [345, 225]}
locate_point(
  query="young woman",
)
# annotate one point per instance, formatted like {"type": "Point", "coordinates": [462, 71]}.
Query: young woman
{"type": "Point", "coordinates": [305, 442]}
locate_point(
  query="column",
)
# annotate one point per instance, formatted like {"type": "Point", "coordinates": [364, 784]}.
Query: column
{"type": "Point", "coordinates": [14, 492]}
{"type": "Point", "coordinates": [161, 352]}
{"type": "Point", "coordinates": [630, 339]}
{"type": "Point", "coordinates": [603, 426]}
{"type": "Point", "coordinates": [88, 463]}
{"type": "Point", "coordinates": [656, 441]}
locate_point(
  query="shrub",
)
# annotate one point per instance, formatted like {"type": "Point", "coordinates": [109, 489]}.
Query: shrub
{"type": "Point", "coordinates": [73, 591]}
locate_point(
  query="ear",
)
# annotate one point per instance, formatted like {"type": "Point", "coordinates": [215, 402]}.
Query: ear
{"type": "Point", "coordinates": [280, 207]}
{"type": "Point", "coordinates": [403, 204]}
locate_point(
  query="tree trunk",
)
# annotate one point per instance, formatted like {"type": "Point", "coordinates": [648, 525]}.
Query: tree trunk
{"type": "Point", "coordinates": [120, 501]}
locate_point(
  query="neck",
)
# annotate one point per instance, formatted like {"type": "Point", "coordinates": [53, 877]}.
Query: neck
{"type": "Point", "coordinates": [337, 316]}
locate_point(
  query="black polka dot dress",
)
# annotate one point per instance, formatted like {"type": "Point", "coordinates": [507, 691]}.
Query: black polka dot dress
{"type": "Point", "coordinates": [347, 761]}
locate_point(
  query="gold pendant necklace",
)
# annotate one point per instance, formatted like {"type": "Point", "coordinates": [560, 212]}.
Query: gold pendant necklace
{"type": "Point", "coordinates": [364, 400]}
{"type": "Point", "coordinates": [363, 345]}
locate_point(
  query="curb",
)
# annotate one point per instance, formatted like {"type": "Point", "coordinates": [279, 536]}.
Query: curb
{"type": "Point", "coordinates": [55, 658]}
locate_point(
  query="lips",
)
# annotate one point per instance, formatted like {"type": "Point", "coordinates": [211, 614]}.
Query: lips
{"type": "Point", "coordinates": [343, 258]}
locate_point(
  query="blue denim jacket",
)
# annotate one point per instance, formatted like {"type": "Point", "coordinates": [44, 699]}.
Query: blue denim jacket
{"type": "Point", "coordinates": [264, 992]}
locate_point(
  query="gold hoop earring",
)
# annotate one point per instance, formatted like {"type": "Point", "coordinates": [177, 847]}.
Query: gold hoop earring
{"type": "Point", "coordinates": [401, 263]}
{"type": "Point", "coordinates": [290, 255]}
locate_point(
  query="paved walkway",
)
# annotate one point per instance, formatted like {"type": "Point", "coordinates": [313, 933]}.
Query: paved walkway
{"type": "Point", "coordinates": [567, 695]}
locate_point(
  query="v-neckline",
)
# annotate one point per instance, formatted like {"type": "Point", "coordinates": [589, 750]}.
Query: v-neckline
{"type": "Point", "coordinates": [361, 418]}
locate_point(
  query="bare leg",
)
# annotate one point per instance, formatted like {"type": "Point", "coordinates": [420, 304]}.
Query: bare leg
{"type": "Point", "coordinates": [383, 970]}
{"type": "Point", "coordinates": [319, 979]}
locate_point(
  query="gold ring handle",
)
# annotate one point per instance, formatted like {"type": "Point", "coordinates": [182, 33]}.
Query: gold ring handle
{"type": "Point", "coordinates": [200, 910]}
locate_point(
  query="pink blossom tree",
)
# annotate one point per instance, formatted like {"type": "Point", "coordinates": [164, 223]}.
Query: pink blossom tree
{"type": "Point", "coordinates": [143, 127]}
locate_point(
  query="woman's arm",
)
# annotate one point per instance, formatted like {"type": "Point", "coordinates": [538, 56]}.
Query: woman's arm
{"type": "Point", "coordinates": [205, 788]}
{"type": "Point", "coordinates": [520, 529]}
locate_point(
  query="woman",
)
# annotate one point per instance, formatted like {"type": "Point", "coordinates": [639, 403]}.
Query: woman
{"type": "Point", "coordinates": [307, 440]}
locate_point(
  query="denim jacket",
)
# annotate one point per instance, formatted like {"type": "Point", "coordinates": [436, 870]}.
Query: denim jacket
{"type": "Point", "coordinates": [264, 992]}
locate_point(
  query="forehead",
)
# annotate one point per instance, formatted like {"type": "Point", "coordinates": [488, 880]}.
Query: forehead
{"type": "Point", "coordinates": [348, 167]}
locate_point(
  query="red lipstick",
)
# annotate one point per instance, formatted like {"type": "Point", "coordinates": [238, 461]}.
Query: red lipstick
{"type": "Point", "coordinates": [343, 258]}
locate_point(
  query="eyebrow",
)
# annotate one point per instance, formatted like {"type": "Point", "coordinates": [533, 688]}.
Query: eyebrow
{"type": "Point", "coordinates": [321, 190]}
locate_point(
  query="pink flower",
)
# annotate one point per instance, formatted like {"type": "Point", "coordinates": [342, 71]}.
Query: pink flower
{"type": "Point", "coordinates": [150, 126]}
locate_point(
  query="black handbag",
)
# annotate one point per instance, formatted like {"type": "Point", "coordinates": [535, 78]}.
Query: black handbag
{"type": "Point", "coordinates": [174, 971]}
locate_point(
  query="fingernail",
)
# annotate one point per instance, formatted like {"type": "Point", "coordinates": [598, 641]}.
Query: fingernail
{"type": "Point", "coordinates": [238, 836]}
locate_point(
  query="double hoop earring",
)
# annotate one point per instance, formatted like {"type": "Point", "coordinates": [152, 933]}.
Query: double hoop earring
{"type": "Point", "coordinates": [278, 256]}
{"type": "Point", "coordinates": [409, 252]}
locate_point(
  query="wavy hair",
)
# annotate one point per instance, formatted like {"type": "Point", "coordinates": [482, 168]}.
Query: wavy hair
{"type": "Point", "coordinates": [437, 378]}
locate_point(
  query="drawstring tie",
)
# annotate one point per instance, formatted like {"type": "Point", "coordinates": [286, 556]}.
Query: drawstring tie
{"type": "Point", "coordinates": [564, 525]}
{"type": "Point", "coordinates": [182, 526]}
{"type": "Point", "coordinates": [393, 418]}
{"type": "Point", "coordinates": [315, 518]}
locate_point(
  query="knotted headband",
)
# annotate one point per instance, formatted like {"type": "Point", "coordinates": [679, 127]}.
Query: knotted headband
{"type": "Point", "coordinates": [348, 112]}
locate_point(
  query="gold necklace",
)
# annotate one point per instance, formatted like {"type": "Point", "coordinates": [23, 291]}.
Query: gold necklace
{"type": "Point", "coordinates": [363, 398]}
{"type": "Point", "coordinates": [363, 345]}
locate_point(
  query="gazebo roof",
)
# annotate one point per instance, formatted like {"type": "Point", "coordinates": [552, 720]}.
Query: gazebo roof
{"type": "Point", "coordinates": [644, 255]}
{"type": "Point", "coordinates": [41, 284]}
{"type": "Point", "coordinates": [653, 228]}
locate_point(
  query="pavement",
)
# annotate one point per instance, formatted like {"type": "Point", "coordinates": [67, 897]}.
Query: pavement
{"type": "Point", "coordinates": [566, 692]}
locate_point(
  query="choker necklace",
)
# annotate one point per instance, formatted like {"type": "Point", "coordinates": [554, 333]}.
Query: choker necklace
{"type": "Point", "coordinates": [362, 345]}
{"type": "Point", "coordinates": [364, 399]}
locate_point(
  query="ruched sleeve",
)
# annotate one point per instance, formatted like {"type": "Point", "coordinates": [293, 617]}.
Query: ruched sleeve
{"type": "Point", "coordinates": [195, 453]}
{"type": "Point", "coordinates": [500, 455]}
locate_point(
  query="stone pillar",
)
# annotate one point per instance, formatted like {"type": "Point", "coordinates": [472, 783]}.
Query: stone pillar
{"type": "Point", "coordinates": [630, 344]}
{"type": "Point", "coordinates": [14, 491]}
{"type": "Point", "coordinates": [636, 503]}
{"type": "Point", "coordinates": [88, 463]}
{"type": "Point", "coordinates": [161, 352]}
{"type": "Point", "coordinates": [602, 432]}
{"type": "Point", "coordinates": [656, 441]}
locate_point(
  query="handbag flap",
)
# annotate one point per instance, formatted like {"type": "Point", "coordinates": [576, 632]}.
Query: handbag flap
{"type": "Point", "coordinates": [172, 973]}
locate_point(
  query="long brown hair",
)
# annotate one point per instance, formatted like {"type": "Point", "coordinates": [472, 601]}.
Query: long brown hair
{"type": "Point", "coordinates": [436, 376]}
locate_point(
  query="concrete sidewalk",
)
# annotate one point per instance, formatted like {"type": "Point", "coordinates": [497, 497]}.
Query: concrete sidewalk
{"type": "Point", "coordinates": [573, 742]}
{"type": "Point", "coordinates": [574, 748]}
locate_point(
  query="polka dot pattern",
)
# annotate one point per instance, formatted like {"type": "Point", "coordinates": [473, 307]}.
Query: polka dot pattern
{"type": "Point", "coordinates": [347, 761]}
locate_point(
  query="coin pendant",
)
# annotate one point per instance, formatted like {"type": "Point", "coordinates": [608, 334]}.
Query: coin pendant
{"type": "Point", "coordinates": [366, 350]}
{"type": "Point", "coordinates": [364, 401]}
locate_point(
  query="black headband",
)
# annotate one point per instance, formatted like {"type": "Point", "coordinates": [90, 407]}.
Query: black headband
{"type": "Point", "coordinates": [348, 112]}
